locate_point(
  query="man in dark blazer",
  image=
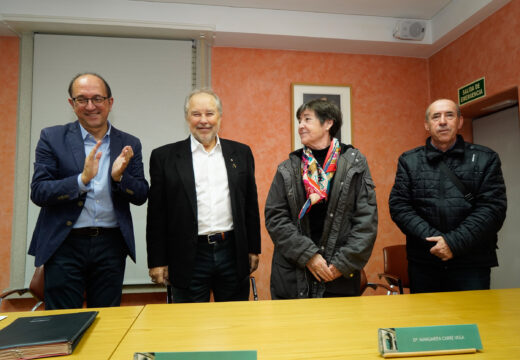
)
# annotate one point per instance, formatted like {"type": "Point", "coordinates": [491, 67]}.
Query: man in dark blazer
{"type": "Point", "coordinates": [86, 174]}
{"type": "Point", "coordinates": [203, 227]}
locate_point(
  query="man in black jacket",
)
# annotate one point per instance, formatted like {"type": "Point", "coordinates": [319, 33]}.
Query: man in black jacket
{"type": "Point", "coordinates": [203, 227]}
{"type": "Point", "coordinates": [449, 199]}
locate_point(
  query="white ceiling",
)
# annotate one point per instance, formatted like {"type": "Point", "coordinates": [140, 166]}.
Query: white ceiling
{"type": "Point", "coordinates": [345, 26]}
{"type": "Point", "coordinates": [408, 9]}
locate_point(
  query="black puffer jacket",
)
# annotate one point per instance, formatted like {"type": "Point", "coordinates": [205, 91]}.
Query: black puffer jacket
{"type": "Point", "coordinates": [424, 202]}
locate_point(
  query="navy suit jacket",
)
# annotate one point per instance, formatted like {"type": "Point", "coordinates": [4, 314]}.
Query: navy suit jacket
{"type": "Point", "coordinates": [60, 157]}
{"type": "Point", "coordinates": [172, 225]}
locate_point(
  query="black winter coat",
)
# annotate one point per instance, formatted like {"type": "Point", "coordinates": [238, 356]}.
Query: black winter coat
{"type": "Point", "coordinates": [424, 202]}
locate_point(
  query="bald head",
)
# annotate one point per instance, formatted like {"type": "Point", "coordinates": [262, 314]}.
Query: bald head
{"type": "Point", "coordinates": [455, 105]}
{"type": "Point", "coordinates": [108, 91]}
{"type": "Point", "coordinates": [443, 121]}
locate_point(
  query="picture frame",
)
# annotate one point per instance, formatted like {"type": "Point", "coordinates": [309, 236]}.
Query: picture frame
{"type": "Point", "coordinates": [338, 93]}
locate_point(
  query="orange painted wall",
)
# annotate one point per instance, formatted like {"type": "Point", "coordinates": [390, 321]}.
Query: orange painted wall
{"type": "Point", "coordinates": [389, 96]}
{"type": "Point", "coordinates": [491, 49]}
{"type": "Point", "coordinates": [9, 54]}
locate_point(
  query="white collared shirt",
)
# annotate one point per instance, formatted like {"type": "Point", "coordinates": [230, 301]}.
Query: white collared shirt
{"type": "Point", "coordinates": [212, 188]}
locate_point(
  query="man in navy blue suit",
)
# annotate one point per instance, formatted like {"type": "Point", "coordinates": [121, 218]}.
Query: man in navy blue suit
{"type": "Point", "coordinates": [86, 174]}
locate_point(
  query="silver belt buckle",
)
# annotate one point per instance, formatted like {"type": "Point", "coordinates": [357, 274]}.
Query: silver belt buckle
{"type": "Point", "coordinates": [209, 239]}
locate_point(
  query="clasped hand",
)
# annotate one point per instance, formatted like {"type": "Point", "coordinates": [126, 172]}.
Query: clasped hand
{"type": "Point", "coordinates": [441, 248]}
{"type": "Point", "coordinates": [159, 275]}
{"type": "Point", "coordinates": [318, 267]}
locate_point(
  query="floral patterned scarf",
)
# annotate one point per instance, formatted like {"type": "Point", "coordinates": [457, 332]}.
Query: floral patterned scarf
{"type": "Point", "coordinates": [316, 179]}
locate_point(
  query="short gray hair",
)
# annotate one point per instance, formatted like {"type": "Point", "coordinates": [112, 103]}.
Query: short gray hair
{"type": "Point", "coordinates": [202, 91]}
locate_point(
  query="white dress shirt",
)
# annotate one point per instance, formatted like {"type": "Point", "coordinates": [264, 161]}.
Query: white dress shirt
{"type": "Point", "coordinates": [211, 185]}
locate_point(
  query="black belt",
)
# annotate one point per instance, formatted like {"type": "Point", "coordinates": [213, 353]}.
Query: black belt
{"type": "Point", "coordinates": [91, 231]}
{"type": "Point", "coordinates": [215, 238]}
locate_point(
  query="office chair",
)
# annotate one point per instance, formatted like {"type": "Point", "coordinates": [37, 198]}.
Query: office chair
{"type": "Point", "coordinates": [35, 288]}
{"type": "Point", "coordinates": [395, 268]}
{"type": "Point", "coordinates": [364, 284]}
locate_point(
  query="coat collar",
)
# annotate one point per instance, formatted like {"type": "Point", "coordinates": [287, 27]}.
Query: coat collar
{"type": "Point", "coordinates": [75, 144]}
{"type": "Point", "coordinates": [116, 144]}
{"type": "Point", "coordinates": [184, 165]}
{"type": "Point", "coordinates": [433, 154]}
{"type": "Point", "coordinates": [296, 155]}
{"type": "Point", "coordinates": [234, 165]}
{"type": "Point", "coordinates": [185, 169]}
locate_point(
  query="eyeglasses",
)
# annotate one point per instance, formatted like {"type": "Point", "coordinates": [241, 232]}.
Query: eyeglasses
{"type": "Point", "coordinates": [83, 101]}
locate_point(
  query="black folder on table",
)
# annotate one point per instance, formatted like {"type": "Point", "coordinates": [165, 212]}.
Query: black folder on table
{"type": "Point", "coordinates": [42, 336]}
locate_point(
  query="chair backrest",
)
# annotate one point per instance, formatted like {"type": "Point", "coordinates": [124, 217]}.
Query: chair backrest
{"type": "Point", "coordinates": [36, 286]}
{"type": "Point", "coordinates": [396, 263]}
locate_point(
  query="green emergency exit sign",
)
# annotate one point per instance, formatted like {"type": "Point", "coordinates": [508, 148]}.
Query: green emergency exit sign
{"type": "Point", "coordinates": [472, 91]}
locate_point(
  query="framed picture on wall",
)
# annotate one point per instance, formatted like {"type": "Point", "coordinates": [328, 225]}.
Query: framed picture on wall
{"type": "Point", "coordinates": [339, 94]}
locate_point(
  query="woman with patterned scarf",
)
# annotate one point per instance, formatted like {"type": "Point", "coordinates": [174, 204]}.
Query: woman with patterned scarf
{"type": "Point", "coordinates": [321, 211]}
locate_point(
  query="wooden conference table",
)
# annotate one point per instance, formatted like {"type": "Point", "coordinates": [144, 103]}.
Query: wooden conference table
{"type": "Point", "coordinates": [102, 337]}
{"type": "Point", "coordinates": [341, 328]}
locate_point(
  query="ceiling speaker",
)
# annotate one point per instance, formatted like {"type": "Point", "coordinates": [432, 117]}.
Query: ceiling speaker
{"type": "Point", "coordinates": [409, 30]}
